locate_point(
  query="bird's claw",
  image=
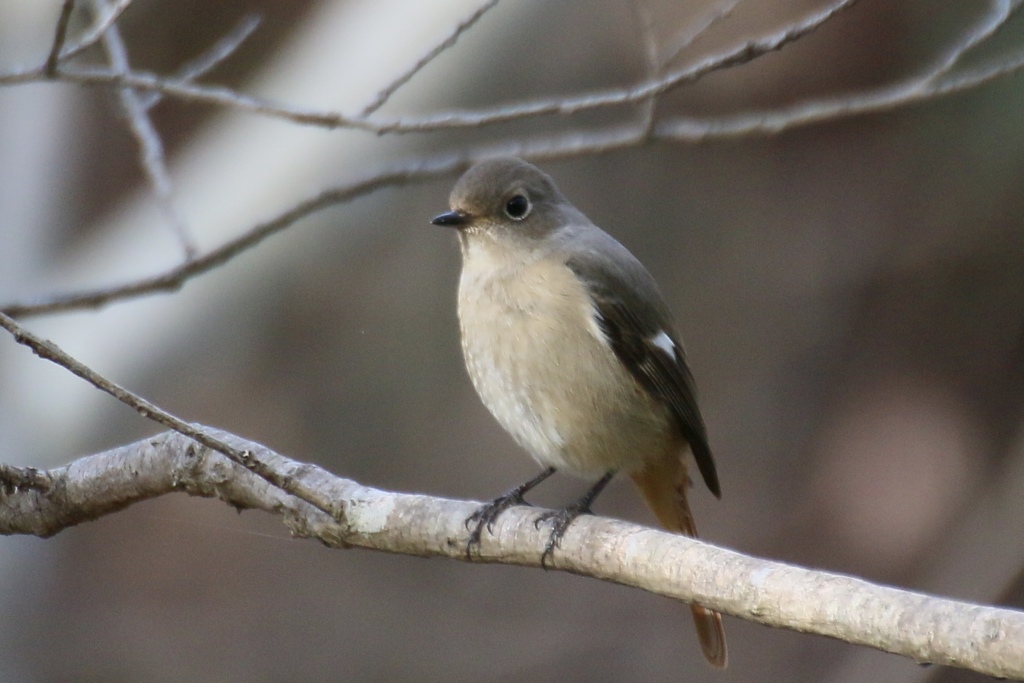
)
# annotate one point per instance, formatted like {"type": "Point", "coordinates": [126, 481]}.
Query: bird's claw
{"type": "Point", "coordinates": [560, 521]}
{"type": "Point", "coordinates": [486, 515]}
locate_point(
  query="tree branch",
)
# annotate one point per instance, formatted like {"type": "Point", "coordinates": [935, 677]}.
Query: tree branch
{"type": "Point", "coordinates": [342, 513]}
{"type": "Point", "coordinates": [927, 629]}
{"type": "Point", "coordinates": [562, 146]}
{"type": "Point", "coordinates": [174, 278]}
{"type": "Point", "coordinates": [565, 106]}
{"type": "Point", "coordinates": [885, 98]}
{"type": "Point", "coordinates": [935, 80]}
{"type": "Point", "coordinates": [217, 53]}
{"type": "Point", "coordinates": [151, 148]}
{"type": "Point", "coordinates": [47, 350]}
{"type": "Point", "coordinates": [385, 94]}
{"type": "Point", "coordinates": [112, 12]}
{"type": "Point", "coordinates": [641, 92]}
{"type": "Point", "coordinates": [59, 35]}
{"type": "Point", "coordinates": [691, 34]}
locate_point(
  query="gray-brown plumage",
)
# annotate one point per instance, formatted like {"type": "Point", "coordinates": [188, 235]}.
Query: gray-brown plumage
{"type": "Point", "coordinates": [571, 347]}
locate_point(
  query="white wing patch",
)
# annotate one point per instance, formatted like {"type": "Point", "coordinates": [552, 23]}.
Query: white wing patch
{"type": "Point", "coordinates": [593, 317]}
{"type": "Point", "coordinates": [665, 343]}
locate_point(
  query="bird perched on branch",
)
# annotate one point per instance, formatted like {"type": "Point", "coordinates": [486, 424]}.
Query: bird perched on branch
{"type": "Point", "coordinates": [571, 347]}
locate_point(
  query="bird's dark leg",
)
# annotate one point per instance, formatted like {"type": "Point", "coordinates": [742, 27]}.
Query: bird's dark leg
{"type": "Point", "coordinates": [486, 515]}
{"type": "Point", "coordinates": [561, 519]}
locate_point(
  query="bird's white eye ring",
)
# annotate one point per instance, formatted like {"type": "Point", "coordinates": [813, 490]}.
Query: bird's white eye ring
{"type": "Point", "coordinates": [518, 207]}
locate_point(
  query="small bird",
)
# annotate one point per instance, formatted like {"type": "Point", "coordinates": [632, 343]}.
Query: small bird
{"type": "Point", "coordinates": [571, 347]}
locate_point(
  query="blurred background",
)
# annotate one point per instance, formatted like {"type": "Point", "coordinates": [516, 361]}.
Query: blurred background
{"type": "Point", "coordinates": [851, 294]}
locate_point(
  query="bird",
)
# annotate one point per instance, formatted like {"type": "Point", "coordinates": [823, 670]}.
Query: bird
{"type": "Point", "coordinates": [570, 345]}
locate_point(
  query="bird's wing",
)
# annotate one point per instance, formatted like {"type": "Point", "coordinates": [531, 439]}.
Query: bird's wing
{"type": "Point", "coordinates": [648, 347]}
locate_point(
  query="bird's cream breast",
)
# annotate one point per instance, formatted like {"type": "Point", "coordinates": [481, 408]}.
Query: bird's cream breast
{"type": "Point", "coordinates": [541, 365]}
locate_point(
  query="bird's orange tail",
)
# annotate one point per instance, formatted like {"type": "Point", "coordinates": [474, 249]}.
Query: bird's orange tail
{"type": "Point", "coordinates": [664, 485]}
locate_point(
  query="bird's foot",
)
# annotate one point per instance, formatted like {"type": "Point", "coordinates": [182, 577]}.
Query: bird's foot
{"type": "Point", "coordinates": [560, 521]}
{"type": "Point", "coordinates": [486, 515]}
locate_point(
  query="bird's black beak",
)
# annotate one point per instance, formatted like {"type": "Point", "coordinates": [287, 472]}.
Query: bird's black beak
{"type": "Point", "coordinates": [453, 219]}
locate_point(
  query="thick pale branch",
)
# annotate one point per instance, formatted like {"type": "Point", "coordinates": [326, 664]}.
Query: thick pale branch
{"type": "Point", "coordinates": [342, 513]}
{"type": "Point", "coordinates": [928, 629]}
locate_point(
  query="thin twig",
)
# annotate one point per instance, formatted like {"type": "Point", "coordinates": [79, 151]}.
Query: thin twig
{"type": "Point", "coordinates": [679, 129]}
{"type": "Point", "coordinates": [174, 278]}
{"type": "Point", "coordinates": [221, 96]}
{"type": "Point", "coordinates": [150, 145]}
{"type": "Point", "coordinates": [49, 351]}
{"type": "Point", "coordinates": [563, 146]}
{"type": "Point", "coordinates": [105, 19]}
{"type": "Point", "coordinates": [566, 144]}
{"type": "Point", "coordinates": [689, 129]}
{"type": "Point", "coordinates": [384, 95]}
{"type": "Point", "coordinates": [988, 25]}
{"type": "Point", "coordinates": [217, 53]}
{"type": "Point", "coordinates": [925, 85]}
{"type": "Point", "coordinates": [882, 99]}
{"type": "Point", "coordinates": [968, 79]}
{"type": "Point", "coordinates": [689, 35]}
{"type": "Point", "coordinates": [187, 91]}
{"type": "Point", "coordinates": [736, 56]}
{"type": "Point", "coordinates": [59, 35]}
{"type": "Point", "coordinates": [645, 26]}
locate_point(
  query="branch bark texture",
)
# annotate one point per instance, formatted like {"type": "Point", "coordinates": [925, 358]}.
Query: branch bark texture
{"type": "Point", "coordinates": [925, 628]}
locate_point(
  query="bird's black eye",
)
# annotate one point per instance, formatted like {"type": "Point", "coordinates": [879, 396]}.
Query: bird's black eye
{"type": "Point", "coordinates": [518, 207]}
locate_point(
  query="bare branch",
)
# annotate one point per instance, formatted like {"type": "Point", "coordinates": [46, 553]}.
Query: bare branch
{"type": "Point", "coordinates": [174, 278]}
{"type": "Point", "coordinates": [690, 34]}
{"type": "Point", "coordinates": [645, 25]}
{"type": "Point", "coordinates": [988, 25]}
{"type": "Point", "coordinates": [968, 79]}
{"type": "Point", "coordinates": [220, 51]}
{"type": "Point", "coordinates": [343, 513]}
{"type": "Point", "coordinates": [226, 97]}
{"type": "Point", "coordinates": [150, 145]}
{"type": "Point", "coordinates": [570, 143]}
{"type": "Point", "coordinates": [49, 351]}
{"type": "Point", "coordinates": [202, 94]}
{"type": "Point", "coordinates": [736, 56]}
{"type": "Point", "coordinates": [932, 82]}
{"type": "Point", "coordinates": [881, 99]}
{"type": "Point", "coordinates": [384, 95]}
{"type": "Point", "coordinates": [925, 628]}
{"type": "Point", "coordinates": [108, 14]}
{"type": "Point", "coordinates": [60, 34]}
{"type": "Point", "coordinates": [563, 146]}
{"type": "Point", "coordinates": [918, 88]}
